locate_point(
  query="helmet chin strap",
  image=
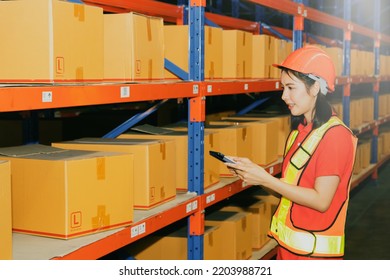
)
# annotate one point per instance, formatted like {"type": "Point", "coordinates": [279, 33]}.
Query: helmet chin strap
{"type": "Point", "coordinates": [321, 81]}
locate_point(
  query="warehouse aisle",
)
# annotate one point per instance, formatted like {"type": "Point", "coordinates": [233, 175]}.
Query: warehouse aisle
{"type": "Point", "coordinates": [368, 220]}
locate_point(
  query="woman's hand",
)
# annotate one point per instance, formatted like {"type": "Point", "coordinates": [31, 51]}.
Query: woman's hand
{"type": "Point", "coordinates": [249, 172]}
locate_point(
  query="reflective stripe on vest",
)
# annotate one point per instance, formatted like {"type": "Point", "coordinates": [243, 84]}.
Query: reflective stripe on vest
{"type": "Point", "coordinates": [297, 240]}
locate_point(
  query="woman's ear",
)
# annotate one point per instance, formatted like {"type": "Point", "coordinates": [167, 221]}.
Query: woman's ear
{"type": "Point", "coordinates": [315, 88]}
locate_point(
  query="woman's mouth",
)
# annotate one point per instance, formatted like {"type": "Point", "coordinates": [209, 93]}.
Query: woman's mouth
{"type": "Point", "coordinates": [290, 105]}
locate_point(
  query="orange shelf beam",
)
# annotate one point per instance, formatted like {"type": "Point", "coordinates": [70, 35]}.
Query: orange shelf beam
{"type": "Point", "coordinates": [124, 237]}
{"type": "Point", "coordinates": [58, 96]}
{"type": "Point", "coordinates": [240, 86]}
{"type": "Point", "coordinates": [284, 6]}
{"type": "Point", "coordinates": [227, 22]}
{"type": "Point", "coordinates": [215, 196]}
{"type": "Point", "coordinates": [170, 13]}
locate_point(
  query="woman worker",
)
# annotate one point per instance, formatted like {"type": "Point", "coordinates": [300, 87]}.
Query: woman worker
{"type": "Point", "coordinates": [317, 165]}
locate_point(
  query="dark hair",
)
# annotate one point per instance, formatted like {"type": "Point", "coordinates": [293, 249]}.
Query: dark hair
{"type": "Point", "coordinates": [323, 110]}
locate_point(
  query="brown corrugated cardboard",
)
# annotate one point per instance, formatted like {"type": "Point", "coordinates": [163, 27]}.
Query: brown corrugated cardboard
{"type": "Point", "coordinates": [176, 40]}
{"type": "Point", "coordinates": [211, 170]}
{"type": "Point", "coordinates": [263, 148]}
{"type": "Point", "coordinates": [237, 238]}
{"type": "Point", "coordinates": [50, 41]}
{"type": "Point", "coordinates": [133, 47]}
{"type": "Point", "coordinates": [284, 125]}
{"type": "Point", "coordinates": [68, 193]}
{"type": "Point", "coordinates": [154, 166]}
{"type": "Point", "coordinates": [237, 54]}
{"type": "Point", "coordinates": [5, 211]}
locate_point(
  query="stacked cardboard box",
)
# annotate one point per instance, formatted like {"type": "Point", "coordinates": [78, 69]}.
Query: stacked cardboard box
{"type": "Point", "coordinates": [176, 41]}
{"type": "Point", "coordinates": [180, 138]}
{"type": "Point", "coordinates": [284, 125]}
{"type": "Point", "coordinates": [65, 194]}
{"type": "Point", "coordinates": [237, 229]}
{"type": "Point", "coordinates": [172, 245]}
{"type": "Point", "coordinates": [263, 139]}
{"type": "Point", "coordinates": [260, 218]}
{"type": "Point", "coordinates": [280, 49]}
{"type": "Point", "coordinates": [133, 47]}
{"type": "Point", "coordinates": [384, 105]}
{"type": "Point", "coordinates": [237, 54]}
{"type": "Point", "coordinates": [384, 65]}
{"type": "Point", "coordinates": [261, 56]}
{"type": "Point", "coordinates": [50, 41]}
{"type": "Point", "coordinates": [154, 166]}
{"type": "Point", "coordinates": [356, 113]}
{"type": "Point", "coordinates": [234, 141]}
{"type": "Point", "coordinates": [5, 211]}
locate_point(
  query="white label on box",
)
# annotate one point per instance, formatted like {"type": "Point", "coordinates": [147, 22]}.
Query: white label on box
{"type": "Point", "coordinates": [277, 85]}
{"type": "Point", "coordinates": [47, 96]}
{"type": "Point", "coordinates": [125, 92]}
{"type": "Point", "coordinates": [209, 88]}
{"type": "Point", "coordinates": [246, 86]}
{"type": "Point", "coordinates": [271, 170]}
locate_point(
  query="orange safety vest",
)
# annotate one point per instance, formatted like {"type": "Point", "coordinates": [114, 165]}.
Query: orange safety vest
{"type": "Point", "coordinates": [326, 243]}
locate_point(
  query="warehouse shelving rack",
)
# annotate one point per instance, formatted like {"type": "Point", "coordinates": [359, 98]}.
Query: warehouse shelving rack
{"type": "Point", "coordinates": [192, 204]}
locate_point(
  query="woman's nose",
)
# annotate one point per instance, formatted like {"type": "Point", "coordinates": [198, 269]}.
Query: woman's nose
{"type": "Point", "coordinates": [284, 95]}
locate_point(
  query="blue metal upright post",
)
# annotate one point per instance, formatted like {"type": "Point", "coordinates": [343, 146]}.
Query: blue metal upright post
{"type": "Point", "coordinates": [347, 64]}
{"type": "Point", "coordinates": [298, 26]}
{"type": "Point", "coordinates": [196, 125]}
{"type": "Point", "coordinates": [374, 143]}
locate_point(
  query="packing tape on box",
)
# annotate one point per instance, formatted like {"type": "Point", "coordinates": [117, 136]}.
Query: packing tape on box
{"type": "Point", "coordinates": [149, 29]}
{"type": "Point", "coordinates": [80, 73]}
{"type": "Point", "coordinates": [210, 37]}
{"type": "Point", "coordinates": [163, 150]}
{"type": "Point", "coordinates": [211, 140]}
{"type": "Point", "coordinates": [102, 219]}
{"type": "Point", "coordinates": [244, 223]}
{"type": "Point", "coordinates": [244, 133]}
{"type": "Point", "coordinates": [78, 12]}
{"type": "Point", "coordinates": [101, 168]}
{"type": "Point", "coordinates": [162, 192]}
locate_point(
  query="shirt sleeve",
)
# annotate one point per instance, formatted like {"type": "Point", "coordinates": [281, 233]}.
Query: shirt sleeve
{"type": "Point", "coordinates": [335, 152]}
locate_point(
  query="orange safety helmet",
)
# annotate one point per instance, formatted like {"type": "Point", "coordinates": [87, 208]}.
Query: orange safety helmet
{"type": "Point", "coordinates": [311, 60]}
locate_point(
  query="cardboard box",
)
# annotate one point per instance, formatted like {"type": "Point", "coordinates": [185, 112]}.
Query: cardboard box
{"type": "Point", "coordinates": [261, 60]}
{"type": "Point", "coordinates": [284, 125]}
{"type": "Point", "coordinates": [213, 45]}
{"type": "Point", "coordinates": [260, 218]}
{"type": "Point", "coordinates": [176, 40]}
{"type": "Point", "coordinates": [133, 47]}
{"type": "Point", "coordinates": [237, 229]}
{"type": "Point", "coordinates": [211, 170]}
{"type": "Point", "coordinates": [5, 211]}
{"type": "Point", "coordinates": [264, 134]}
{"type": "Point", "coordinates": [174, 245]}
{"type": "Point", "coordinates": [234, 142]}
{"type": "Point", "coordinates": [65, 194]}
{"type": "Point", "coordinates": [176, 48]}
{"type": "Point", "coordinates": [237, 54]}
{"type": "Point", "coordinates": [50, 41]}
{"type": "Point", "coordinates": [154, 166]}
{"type": "Point", "coordinates": [357, 167]}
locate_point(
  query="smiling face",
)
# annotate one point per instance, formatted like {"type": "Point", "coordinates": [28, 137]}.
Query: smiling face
{"type": "Point", "coordinates": [300, 99]}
